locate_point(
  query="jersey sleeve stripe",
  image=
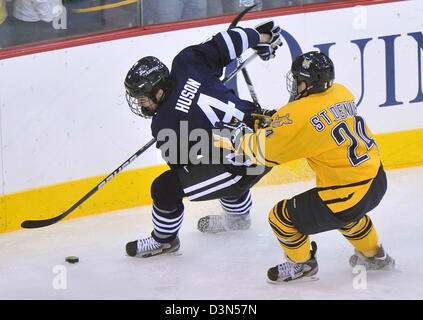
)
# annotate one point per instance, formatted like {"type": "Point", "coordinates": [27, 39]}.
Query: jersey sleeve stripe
{"type": "Point", "coordinates": [244, 38]}
{"type": "Point", "coordinates": [229, 44]}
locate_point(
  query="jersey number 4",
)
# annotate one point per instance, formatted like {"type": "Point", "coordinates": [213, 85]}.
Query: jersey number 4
{"type": "Point", "coordinates": [341, 132]}
{"type": "Point", "coordinates": [208, 104]}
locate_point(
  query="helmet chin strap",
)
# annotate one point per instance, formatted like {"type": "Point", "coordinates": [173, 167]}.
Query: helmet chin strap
{"type": "Point", "coordinates": [156, 101]}
{"type": "Point", "coordinates": [153, 97]}
{"type": "Point", "coordinates": [302, 94]}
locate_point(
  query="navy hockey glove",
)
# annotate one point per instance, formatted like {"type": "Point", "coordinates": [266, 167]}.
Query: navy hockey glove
{"type": "Point", "coordinates": [267, 51]}
{"type": "Point", "coordinates": [237, 134]}
{"type": "Point", "coordinates": [260, 118]}
{"type": "Point", "coordinates": [237, 131]}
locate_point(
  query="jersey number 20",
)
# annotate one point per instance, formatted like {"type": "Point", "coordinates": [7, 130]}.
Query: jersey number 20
{"type": "Point", "coordinates": [341, 132]}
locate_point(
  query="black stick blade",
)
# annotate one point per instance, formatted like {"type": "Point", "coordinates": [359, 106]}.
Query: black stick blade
{"type": "Point", "coordinates": [33, 224]}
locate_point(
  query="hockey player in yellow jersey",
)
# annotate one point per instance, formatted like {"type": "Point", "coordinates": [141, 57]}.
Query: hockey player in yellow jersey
{"type": "Point", "coordinates": [321, 124]}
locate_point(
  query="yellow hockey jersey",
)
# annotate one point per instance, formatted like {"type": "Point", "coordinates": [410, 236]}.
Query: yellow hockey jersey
{"type": "Point", "coordinates": [323, 128]}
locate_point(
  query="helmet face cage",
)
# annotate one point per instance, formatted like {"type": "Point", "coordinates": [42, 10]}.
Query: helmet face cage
{"type": "Point", "coordinates": [144, 79]}
{"type": "Point", "coordinates": [291, 84]}
{"type": "Point", "coordinates": [136, 107]}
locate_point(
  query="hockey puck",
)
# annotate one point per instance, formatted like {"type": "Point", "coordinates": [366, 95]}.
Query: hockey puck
{"type": "Point", "coordinates": [72, 259]}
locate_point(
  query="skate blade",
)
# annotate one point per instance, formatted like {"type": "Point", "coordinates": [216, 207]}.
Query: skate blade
{"type": "Point", "coordinates": [208, 231]}
{"type": "Point", "coordinates": [371, 268]}
{"type": "Point", "coordinates": [228, 230]}
{"type": "Point", "coordinates": [282, 282]}
{"type": "Point", "coordinates": [150, 255]}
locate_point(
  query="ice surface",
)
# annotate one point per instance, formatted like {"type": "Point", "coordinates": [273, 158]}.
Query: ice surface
{"type": "Point", "coordinates": [216, 267]}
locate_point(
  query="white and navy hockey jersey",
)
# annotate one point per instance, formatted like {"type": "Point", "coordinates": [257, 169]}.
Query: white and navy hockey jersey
{"type": "Point", "coordinates": [198, 99]}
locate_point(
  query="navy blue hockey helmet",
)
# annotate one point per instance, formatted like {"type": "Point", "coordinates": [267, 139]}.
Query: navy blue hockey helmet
{"type": "Point", "coordinates": [314, 68]}
{"type": "Point", "coordinates": [145, 78]}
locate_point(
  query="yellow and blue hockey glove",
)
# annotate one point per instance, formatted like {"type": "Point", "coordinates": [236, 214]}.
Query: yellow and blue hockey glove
{"type": "Point", "coordinates": [259, 119]}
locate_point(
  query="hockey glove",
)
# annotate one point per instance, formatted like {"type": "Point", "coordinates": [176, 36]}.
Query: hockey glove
{"type": "Point", "coordinates": [237, 131]}
{"type": "Point", "coordinates": [259, 119]}
{"type": "Point", "coordinates": [267, 51]}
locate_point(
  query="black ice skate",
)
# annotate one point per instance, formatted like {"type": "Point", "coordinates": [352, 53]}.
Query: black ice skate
{"type": "Point", "coordinates": [224, 222]}
{"type": "Point", "coordinates": [291, 271]}
{"type": "Point", "coordinates": [381, 261]}
{"type": "Point", "coordinates": [149, 247]}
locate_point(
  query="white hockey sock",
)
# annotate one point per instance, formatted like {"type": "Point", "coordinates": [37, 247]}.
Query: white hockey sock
{"type": "Point", "coordinates": [237, 205]}
{"type": "Point", "coordinates": [167, 222]}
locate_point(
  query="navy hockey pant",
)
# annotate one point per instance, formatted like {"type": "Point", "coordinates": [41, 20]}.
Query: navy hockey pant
{"type": "Point", "coordinates": [197, 183]}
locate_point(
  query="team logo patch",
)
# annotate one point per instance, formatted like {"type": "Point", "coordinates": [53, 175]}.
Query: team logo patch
{"type": "Point", "coordinates": [306, 63]}
{"type": "Point", "coordinates": [281, 120]}
{"type": "Point", "coordinates": [269, 132]}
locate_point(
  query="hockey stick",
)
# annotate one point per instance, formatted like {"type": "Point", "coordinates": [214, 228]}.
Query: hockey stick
{"type": "Point", "coordinates": [31, 224]}
{"type": "Point", "coordinates": [240, 67]}
{"type": "Point", "coordinates": [244, 71]}
{"type": "Point", "coordinates": [239, 16]}
{"type": "Point", "coordinates": [242, 64]}
{"type": "Point", "coordinates": [250, 84]}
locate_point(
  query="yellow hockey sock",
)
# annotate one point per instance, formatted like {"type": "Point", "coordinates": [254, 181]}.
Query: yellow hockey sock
{"type": "Point", "coordinates": [362, 235]}
{"type": "Point", "coordinates": [295, 245]}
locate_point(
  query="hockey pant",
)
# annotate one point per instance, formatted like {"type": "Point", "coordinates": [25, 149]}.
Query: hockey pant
{"type": "Point", "coordinates": [293, 220]}
{"type": "Point", "coordinates": [198, 183]}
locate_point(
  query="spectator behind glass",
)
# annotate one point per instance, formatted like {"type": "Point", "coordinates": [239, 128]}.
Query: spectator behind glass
{"type": "Point", "coordinates": [285, 3]}
{"type": "Point", "coordinates": [4, 34]}
{"type": "Point", "coordinates": [3, 11]}
{"type": "Point", "coordinates": [36, 10]}
{"type": "Point", "coordinates": [30, 21]}
{"type": "Point", "coordinates": [267, 4]}
{"type": "Point", "coordinates": [216, 7]}
{"type": "Point", "coordinates": [160, 11]}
